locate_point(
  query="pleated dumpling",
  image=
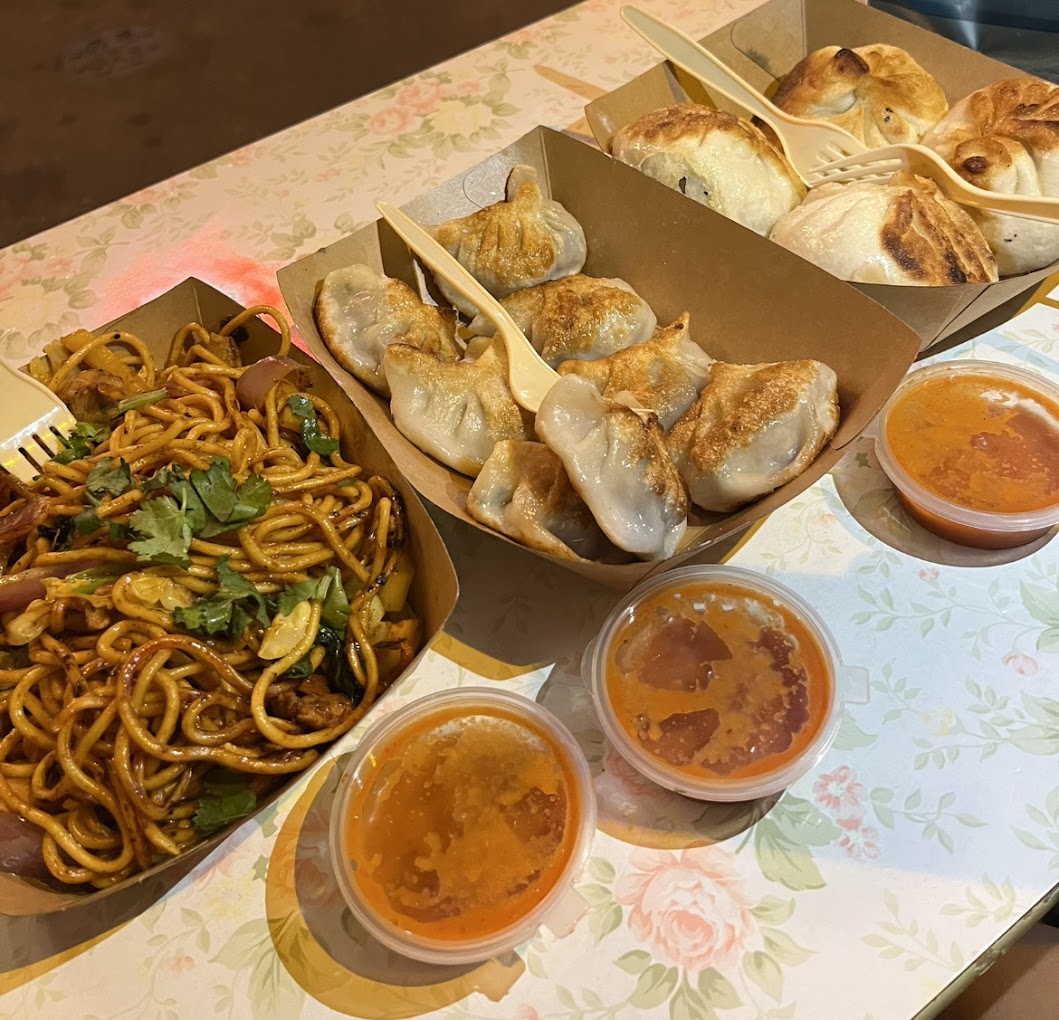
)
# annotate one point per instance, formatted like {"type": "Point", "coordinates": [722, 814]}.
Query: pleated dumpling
{"type": "Point", "coordinates": [521, 242]}
{"type": "Point", "coordinates": [577, 317]}
{"type": "Point", "coordinates": [359, 313]}
{"type": "Point", "coordinates": [455, 411]}
{"type": "Point", "coordinates": [524, 492]}
{"type": "Point", "coordinates": [619, 464]}
{"type": "Point", "coordinates": [753, 429]}
{"type": "Point", "coordinates": [666, 373]}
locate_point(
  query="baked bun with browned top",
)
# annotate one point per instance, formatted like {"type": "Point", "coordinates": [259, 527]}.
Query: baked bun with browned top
{"type": "Point", "coordinates": [904, 231]}
{"type": "Point", "coordinates": [1005, 138]}
{"type": "Point", "coordinates": [720, 161]}
{"type": "Point", "coordinates": [878, 93]}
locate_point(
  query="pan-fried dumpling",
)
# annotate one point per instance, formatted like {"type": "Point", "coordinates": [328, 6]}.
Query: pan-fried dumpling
{"type": "Point", "coordinates": [577, 317]}
{"type": "Point", "coordinates": [666, 373]}
{"type": "Point", "coordinates": [523, 492]}
{"type": "Point", "coordinates": [455, 411]}
{"type": "Point", "coordinates": [527, 240]}
{"type": "Point", "coordinates": [619, 464]}
{"type": "Point", "coordinates": [360, 312]}
{"type": "Point", "coordinates": [754, 428]}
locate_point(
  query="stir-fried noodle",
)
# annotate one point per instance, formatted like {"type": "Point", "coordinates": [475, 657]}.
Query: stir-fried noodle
{"type": "Point", "coordinates": [197, 594]}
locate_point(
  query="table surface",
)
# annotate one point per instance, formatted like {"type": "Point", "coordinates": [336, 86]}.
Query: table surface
{"type": "Point", "coordinates": [921, 843]}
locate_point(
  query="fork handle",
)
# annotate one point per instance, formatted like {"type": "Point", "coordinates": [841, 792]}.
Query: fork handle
{"type": "Point", "coordinates": [687, 54]}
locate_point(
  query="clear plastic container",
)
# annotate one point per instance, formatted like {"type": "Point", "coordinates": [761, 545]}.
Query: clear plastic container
{"type": "Point", "coordinates": [945, 516]}
{"type": "Point", "coordinates": [466, 834]}
{"type": "Point", "coordinates": [835, 686]}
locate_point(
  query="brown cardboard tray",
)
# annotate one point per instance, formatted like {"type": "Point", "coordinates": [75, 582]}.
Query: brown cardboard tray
{"type": "Point", "coordinates": [764, 45]}
{"type": "Point", "coordinates": [434, 588]}
{"type": "Point", "coordinates": [750, 301]}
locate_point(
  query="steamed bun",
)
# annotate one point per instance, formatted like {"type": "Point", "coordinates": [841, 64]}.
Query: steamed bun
{"type": "Point", "coordinates": [1005, 138]}
{"type": "Point", "coordinates": [720, 161]}
{"type": "Point", "coordinates": [878, 93]}
{"type": "Point", "coordinates": [903, 231]}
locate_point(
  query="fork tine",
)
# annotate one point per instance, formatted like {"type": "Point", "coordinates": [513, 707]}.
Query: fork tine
{"type": "Point", "coordinates": [840, 176]}
{"type": "Point", "coordinates": [34, 459]}
{"type": "Point", "coordinates": [47, 442]}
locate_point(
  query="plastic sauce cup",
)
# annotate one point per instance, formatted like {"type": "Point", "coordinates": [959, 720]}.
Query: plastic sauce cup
{"type": "Point", "coordinates": [790, 628]}
{"type": "Point", "coordinates": [976, 393]}
{"type": "Point", "coordinates": [460, 824]}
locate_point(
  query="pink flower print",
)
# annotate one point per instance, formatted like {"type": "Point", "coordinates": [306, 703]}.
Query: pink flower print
{"type": "Point", "coordinates": [928, 574]}
{"type": "Point", "coordinates": [394, 120]}
{"type": "Point", "coordinates": [689, 908]}
{"type": "Point", "coordinates": [420, 96]}
{"type": "Point", "coordinates": [625, 778]}
{"type": "Point", "coordinates": [818, 524]}
{"type": "Point", "coordinates": [177, 964]}
{"type": "Point", "coordinates": [1024, 665]}
{"type": "Point", "coordinates": [525, 1012]}
{"type": "Point", "coordinates": [145, 196]}
{"type": "Point", "coordinates": [838, 791]}
{"type": "Point", "coordinates": [858, 839]}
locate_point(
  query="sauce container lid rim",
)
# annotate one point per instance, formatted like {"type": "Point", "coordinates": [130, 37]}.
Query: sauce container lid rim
{"type": "Point", "coordinates": [930, 501]}
{"type": "Point", "coordinates": [557, 899]}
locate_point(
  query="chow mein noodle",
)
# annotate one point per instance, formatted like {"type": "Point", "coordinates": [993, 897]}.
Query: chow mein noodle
{"type": "Point", "coordinates": [196, 595]}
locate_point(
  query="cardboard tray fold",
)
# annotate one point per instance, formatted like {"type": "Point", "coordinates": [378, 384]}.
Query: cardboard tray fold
{"type": "Point", "coordinates": [434, 588]}
{"type": "Point", "coordinates": [750, 301]}
{"type": "Point", "coordinates": [765, 44]}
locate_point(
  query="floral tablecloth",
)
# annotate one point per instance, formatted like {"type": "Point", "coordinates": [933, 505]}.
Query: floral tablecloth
{"type": "Point", "coordinates": [923, 841]}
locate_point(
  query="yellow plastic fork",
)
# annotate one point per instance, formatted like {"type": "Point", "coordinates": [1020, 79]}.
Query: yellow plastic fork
{"type": "Point", "coordinates": [33, 423]}
{"type": "Point", "coordinates": [529, 376]}
{"type": "Point", "coordinates": [806, 143]}
{"type": "Point", "coordinates": [878, 165]}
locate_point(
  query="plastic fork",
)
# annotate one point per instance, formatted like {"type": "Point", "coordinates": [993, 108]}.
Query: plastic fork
{"type": "Point", "coordinates": [33, 423]}
{"type": "Point", "coordinates": [806, 143]}
{"type": "Point", "coordinates": [878, 164]}
{"type": "Point", "coordinates": [529, 376]}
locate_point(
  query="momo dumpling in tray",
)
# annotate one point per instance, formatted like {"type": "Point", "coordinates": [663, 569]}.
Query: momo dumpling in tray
{"type": "Point", "coordinates": [521, 242]}
{"type": "Point", "coordinates": [619, 464]}
{"type": "Point", "coordinates": [524, 492]}
{"type": "Point", "coordinates": [359, 313]}
{"type": "Point", "coordinates": [666, 373]}
{"type": "Point", "coordinates": [753, 428]}
{"type": "Point", "coordinates": [576, 317]}
{"type": "Point", "coordinates": [455, 411]}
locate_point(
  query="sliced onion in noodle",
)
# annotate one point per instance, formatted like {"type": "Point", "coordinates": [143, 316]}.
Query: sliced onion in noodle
{"type": "Point", "coordinates": [256, 381]}
{"type": "Point", "coordinates": [19, 590]}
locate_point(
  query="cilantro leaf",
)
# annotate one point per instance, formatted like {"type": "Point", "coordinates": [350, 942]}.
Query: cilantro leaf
{"type": "Point", "coordinates": [336, 605]}
{"type": "Point", "coordinates": [217, 809]}
{"type": "Point", "coordinates": [165, 535]}
{"type": "Point", "coordinates": [327, 589]}
{"type": "Point", "coordinates": [312, 437]}
{"type": "Point", "coordinates": [109, 478]}
{"type": "Point", "coordinates": [228, 610]}
{"type": "Point", "coordinates": [215, 502]}
{"type": "Point", "coordinates": [87, 521]}
{"type": "Point", "coordinates": [295, 593]}
{"type": "Point", "coordinates": [82, 442]}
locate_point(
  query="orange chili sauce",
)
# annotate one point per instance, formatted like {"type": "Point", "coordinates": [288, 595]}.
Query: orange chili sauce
{"type": "Point", "coordinates": [717, 681]}
{"type": "Point", "coordinates": [980, 441]}
{"type": "Point", "coordinates": [464, 824]}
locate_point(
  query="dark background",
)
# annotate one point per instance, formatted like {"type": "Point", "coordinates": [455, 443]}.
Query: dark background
{"type": "Point", "coordinates": [100, 99]}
